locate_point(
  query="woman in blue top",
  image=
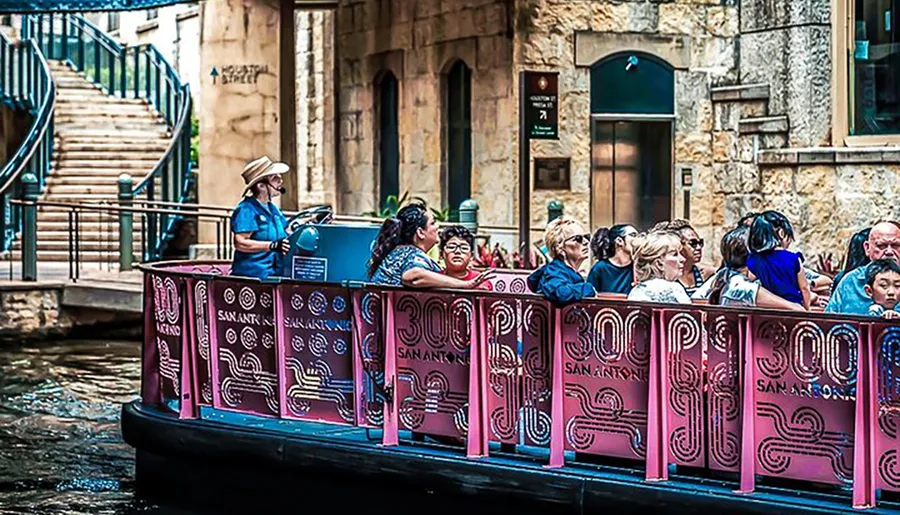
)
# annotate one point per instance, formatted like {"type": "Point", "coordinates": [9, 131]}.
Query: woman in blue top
{"type": "Point", "coordinates": [400, 256]}
{"type": "Point", "coordinates": [260, 230]}
{"type": "Point", "coordinates": [613, 272]}
{"type": "Point", "coordinates": [559, 281]}
{"type": "Point", "coordinates": [778, 269]}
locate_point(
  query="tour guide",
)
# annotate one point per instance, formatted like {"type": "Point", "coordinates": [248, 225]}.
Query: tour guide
{"type": "Point", "coordinates": [260, 230]}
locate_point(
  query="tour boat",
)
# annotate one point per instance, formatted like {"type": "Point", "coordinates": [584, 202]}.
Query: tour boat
{"type": "Point", "coordinates": [500, 395]}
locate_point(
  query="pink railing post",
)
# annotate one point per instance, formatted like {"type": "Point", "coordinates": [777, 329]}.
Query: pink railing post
{"type": "Point", "coordinates": [150, 389]}
{"type": "Point", "coordinates": [476, 440]}
{"type": "Point", "coordinates": [866, 415]}
{"type": "Point", "coordinates": [657, 455]}
{"type": "Point", "coordinates": [189, 392]}
{"type": "Point", "coordinates": [748, 412]}
{"type": "Point", "coordinates": [391, 434]}
{"type": "Point", "coordinates": [280, 350]}
{"type": "Point", "coordinates": [358, 390]}
{"type": "Point", "coordinates": [214, 346]}
{"type": "Point", "coordinates": [557, 396]}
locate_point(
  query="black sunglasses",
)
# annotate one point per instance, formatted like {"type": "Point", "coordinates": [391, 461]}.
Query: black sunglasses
{"type": "Point", "coordinates": [581, 239]}
{"type": "Point", "coordinates": [696, 242]}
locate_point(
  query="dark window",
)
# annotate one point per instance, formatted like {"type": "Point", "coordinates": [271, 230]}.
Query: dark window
{"type": "Point", "coordinates": [113, 22]}
{"type": "Point", "coordinates": [459, 136]}
{"type": "Point", "coordinates": [875, 68]}
{"type": "Point", "coordinates": [389, 141]}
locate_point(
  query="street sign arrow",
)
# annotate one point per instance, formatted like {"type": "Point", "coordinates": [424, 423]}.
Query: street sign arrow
{"type": "Point", "coordinates": [214, 73]}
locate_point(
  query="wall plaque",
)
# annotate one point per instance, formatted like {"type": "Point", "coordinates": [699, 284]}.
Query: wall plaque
{"type": "Point", "coordinates": [551, 173]}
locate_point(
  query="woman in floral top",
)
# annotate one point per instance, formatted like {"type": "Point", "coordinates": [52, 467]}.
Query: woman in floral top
{"type": "Point", "coordinates": [400, 254]}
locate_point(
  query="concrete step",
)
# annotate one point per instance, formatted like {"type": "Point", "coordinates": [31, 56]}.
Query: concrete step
{"type": "Point", "coordinates": [119, 164]}
{"type": "Point", "coordinates": [764, 125]}
{"type": "Point", "coordinates": [94, 220]}
{"type": "Point", "coordinates": [54, 189]}
{"type": "Point", "coordinates": [83, 181]}
{"type": "Point", "coordinates": [113, 112]}
{"type": "Point", "coordinates": [122, 109]}
{"type": "Point", "coordinates": [113, 128]}
{"type": "Point", "coordinates": [110, 173]}
{"type": "Point", "coordinates": [50, 230]}
{"type": "Point", "coordinates": [72, 155]}
{"type": "Point", "coordinates": [73, 84]}
{"type": "Point", "coordinates": [81, 197]}
{"type": "Point", "coordinates": [110, 133]}
{"type": "Point", "coordinates": [85, 257]}
{"type": "Point", "coordinates": [85, 235]}
{"type": "Point", "coordinates": [97, 97]}
{"type": "Point", "coordinates": [111, 246]}
{"type": "Point", "coordinates": [156, 147]}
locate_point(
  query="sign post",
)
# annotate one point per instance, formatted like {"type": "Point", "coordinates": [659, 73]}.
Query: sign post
{"type": "Point", "coordinates": [538, 119]}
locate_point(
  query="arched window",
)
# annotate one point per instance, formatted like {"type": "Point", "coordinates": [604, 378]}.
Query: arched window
{"type": "Point", "coordinates": [458, 116]}
{"type": "Point", "coordinates": [388, 138]}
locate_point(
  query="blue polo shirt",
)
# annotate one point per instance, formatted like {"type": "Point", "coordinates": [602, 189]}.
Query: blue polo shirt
{"type": "Point", "coordinates": [264, 222]}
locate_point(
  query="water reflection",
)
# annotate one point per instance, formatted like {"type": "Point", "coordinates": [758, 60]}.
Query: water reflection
{"type": "Point", "coordinates": [61, 449]}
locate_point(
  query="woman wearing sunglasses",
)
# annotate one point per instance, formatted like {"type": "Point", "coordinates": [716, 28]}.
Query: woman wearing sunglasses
{"type": "Point", "coordinates": [695, 274]}
{"type": "Point", "coordinates": [560, 281]}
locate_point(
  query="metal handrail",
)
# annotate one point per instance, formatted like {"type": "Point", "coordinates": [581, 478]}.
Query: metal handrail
{"type": "Point", "coordinates": [34, 91]}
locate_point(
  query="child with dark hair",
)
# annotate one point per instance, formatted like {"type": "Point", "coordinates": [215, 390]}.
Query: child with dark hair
{"type": "Point", "coordinates": [734, 285]}
{"type": "Point", "coordinates": [613, 272]}
{"type": "Point", "coordinates": [883, 285]}
{"type": "Point", "coordinates": [457, 248]}
{"type": "Point", "coordinates": [779, 270]}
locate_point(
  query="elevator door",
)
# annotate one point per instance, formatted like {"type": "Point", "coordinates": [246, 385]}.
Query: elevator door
{"type": "Point", "coordinates": [631, 172]}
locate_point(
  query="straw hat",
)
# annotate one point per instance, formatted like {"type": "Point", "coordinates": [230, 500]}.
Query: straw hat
{"type": "Point", "coordinates": [261, 168]}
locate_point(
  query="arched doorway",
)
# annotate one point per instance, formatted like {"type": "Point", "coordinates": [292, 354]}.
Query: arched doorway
{"type": "Point", "coordinates": [632, 122]}
{"type": "Point", "coordinates": [388, 138]}
{"type": "Point", "coordinates": [458, 116]}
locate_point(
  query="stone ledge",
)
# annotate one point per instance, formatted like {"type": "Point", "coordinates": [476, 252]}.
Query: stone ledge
{"type": "Point", "coordinates": [826, 155]}
{"type": "Point", "coordinates": [764, 125]}
{"type": "Point", "coordinates": [147, 26]}
{"type": "Point", "coordinates": [739, 92]}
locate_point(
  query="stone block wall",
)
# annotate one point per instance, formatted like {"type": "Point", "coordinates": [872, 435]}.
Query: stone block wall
{"type": "Point", "coordinates": [698, 38]}
{"type": "Point", "coordinates": [314, 92]}
{"type": "Point", "coordinates": [419, 42]}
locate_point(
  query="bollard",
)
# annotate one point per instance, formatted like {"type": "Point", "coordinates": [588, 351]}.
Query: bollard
{"type": "Point", "coordinates": [30, 193]}
{"type": "Point", "coordinates": [126, 223]}
{"type": "Point", "coordinates": [554, 210]}
{"type": "Point", "coordinates": [468, 215]}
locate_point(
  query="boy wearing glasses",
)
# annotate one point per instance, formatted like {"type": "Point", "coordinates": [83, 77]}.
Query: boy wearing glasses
{"type": "Point", "coordinates": [457, 245]}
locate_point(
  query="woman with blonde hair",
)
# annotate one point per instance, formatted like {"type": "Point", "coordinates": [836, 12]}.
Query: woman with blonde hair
{"type": "Point", "coordinates": [658, 263]}
{"type": "Point", "coordinates": [559, 281]}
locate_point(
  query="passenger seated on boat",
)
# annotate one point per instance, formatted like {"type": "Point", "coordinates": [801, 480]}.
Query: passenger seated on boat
{"type": "Point", "coordinates": [457, 245]}
{"type": "Point", "coordinates": [734, 284]}
{"type": "Point", "coordinates": [850, 297]}
{"type": "Point", "coordinates": [658, 264]}
{"type": "Point", "coordinates": [614, 270]}
{"type": "Point", "coordinates": [260, 230]}
{"type": "Point", "coordinates": [560, 281]}
{"type": "Point", "coordinates": [400, 256]}
{"type": "Point", "coordinates": [883, 286]}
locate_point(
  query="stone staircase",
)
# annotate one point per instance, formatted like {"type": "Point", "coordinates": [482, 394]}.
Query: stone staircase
{"type": "Point", "coordinates": [97, 138]}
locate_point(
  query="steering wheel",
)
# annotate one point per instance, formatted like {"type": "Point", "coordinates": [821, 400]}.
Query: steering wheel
{"type": "Point", "coordinates": [319, 214]}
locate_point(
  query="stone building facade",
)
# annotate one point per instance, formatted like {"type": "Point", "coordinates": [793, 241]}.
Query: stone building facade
{"type": "Point", "coordinates": [758, 117]}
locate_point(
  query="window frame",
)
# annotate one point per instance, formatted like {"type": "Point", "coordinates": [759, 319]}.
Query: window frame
{"type": "Point", "coordinates": [843, 46]}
